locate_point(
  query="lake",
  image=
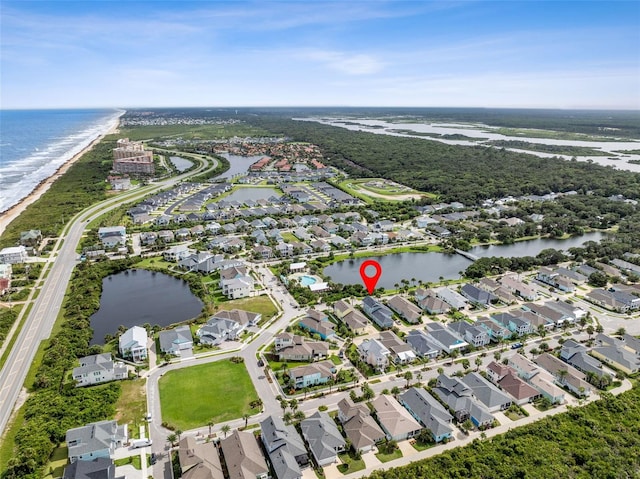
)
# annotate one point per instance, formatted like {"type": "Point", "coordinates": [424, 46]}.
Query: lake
{"type": "Point", "coordinates": [139, 296]}
{"type": "Point", "coordinates": [429, 267]}
{"type": "Point", "coordinates": [181, 164]}
{"type": "Point", "coordinates": [252, 193]}
{"type": "Point", "coordinates": [238, 164]}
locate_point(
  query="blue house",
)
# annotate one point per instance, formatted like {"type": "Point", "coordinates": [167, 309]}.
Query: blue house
{"type": "Point", "coordinates": [429, 412]}
{"type": "Point", "coordinates": [378, 312]}
{"type": "Point", "coordinates": [313, 374]}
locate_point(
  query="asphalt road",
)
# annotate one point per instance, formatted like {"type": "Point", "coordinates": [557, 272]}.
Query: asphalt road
{"type": "Point", "coordinates": [43, 315]}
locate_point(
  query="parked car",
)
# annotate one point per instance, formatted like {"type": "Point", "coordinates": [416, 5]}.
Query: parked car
{"type": "Point", "coordinates": [516, 345]}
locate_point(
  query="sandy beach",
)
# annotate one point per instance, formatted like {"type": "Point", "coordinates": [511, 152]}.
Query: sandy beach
{"type": "Point", "coordinates": [12, 213]}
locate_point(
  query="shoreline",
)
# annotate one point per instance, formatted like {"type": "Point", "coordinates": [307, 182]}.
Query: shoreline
{"type": "Point", "coordinates": [7, 216]}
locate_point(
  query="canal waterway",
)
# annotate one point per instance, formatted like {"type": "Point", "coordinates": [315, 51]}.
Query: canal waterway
{"type": "Point", "coordinates": [431, 267]}
{"type": "Point", "coordinates": [136, 297]}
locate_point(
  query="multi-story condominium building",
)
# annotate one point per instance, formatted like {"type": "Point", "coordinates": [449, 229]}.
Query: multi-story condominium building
{"type": "Point", "coordinates": [131, 157]}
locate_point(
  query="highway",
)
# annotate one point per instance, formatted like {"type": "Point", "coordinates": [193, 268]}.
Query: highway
{"type": "Point", "coordinates": [45, 309]}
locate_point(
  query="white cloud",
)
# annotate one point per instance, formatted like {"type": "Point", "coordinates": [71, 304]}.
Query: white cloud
{"type": "Point", "coordinates": [347, 63]}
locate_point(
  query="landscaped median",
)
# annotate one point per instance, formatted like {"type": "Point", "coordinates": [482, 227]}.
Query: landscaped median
{"type": "Point", "coordinates": [217, 391]}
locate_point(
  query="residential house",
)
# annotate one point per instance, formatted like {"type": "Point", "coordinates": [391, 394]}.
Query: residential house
{"type": "Point", "coordinates": [176, 340]}
{"type": "Point", "coordinates": [358, 425]}
{"type": "Point", "coordinates": [378, 312]}
{"type": "Point", "coordinates": [285, 448]}
{"type": "Point", "coordinates": [98, 368]}
{"type": "Point", "coordinates": [112, 236]}
{"type": "Point", "coordinates": [323, 437]}
{"type": "Point", "coordinates": [101, 467]}
{"type": "Point", "coordinates": [558, 318]}
{"type": "Point", "coordinates": [564, 374]}
{"type": "Point", "coordinates": [575, 354]}
{"type": "Point", "coordinates": [217, 330]}
{"type": "Point", "coordinates": [422, 344]}
{"type": "Point", "coordinates": [351, 317]}
{"type": "Point", "coordinates": [405, 309]}
{"type": "Point", "coordinates": [395, 420]}
{"type": "Point", "coordinates": [433, 305]}
{"type": "Point", "coordinates": [263, 252]}
{"type": "Point", "coordinates": [428, 412]}
{"type": "Point", "coordinates": [514, 324]}
{"type": "Point", "coordinates": [290, 347]}
{"type": "Point", "coordinates": [472, 334]}
{"type": "Point", "coordinates": [524, 290]}
{"type": "Point", "coordinates": [375, 354]}
{"type": "Point", "coordinates": [478, 296]}
{"type": "Point", "coordinates": [487, 393]}
{"type": "Point", "coordinates": [243, 456]}
{"type": "Point", "coordinates": [540, 379]}
{"type": "Point", "coordinates": [31, 238]}
{"type": "Point", "coordinates": [98, 439]}
{"type": "Point", "coordinates": [622, 354]}
{"type": "Point", "coordinates": [555, 279]}
{"type": "Point", "coordinates": [318, 323]}
{"type": "Point", "coordinates": [177, 253]}
{"type": "Point", "coordinates": [236, 283]}
{"type": "Point", "coordinates": [132, 344]}
{"type": "Point", "coordinates": [452, 298]}
{"type": "Point", "coordinates": [460, 399]}
{"type": "Point", "coordinates": [509, 381]}
{"type": "Point", "coordinates": [614, 300]}
{"type": "Point", "coordinates": [13, 255]}
{"type": "Point", "coordinates": [495, 331]}
{"type": "Point", "coordinates": [445, 339]}
{"type": "Point", "coordinates": [199, 460]}
{"type": "Point", "coordinates": [401, 352]}
{"type": "Point", "coordinates": [313, 374]}
{"type": "Point", "coordinates": [534, 320]}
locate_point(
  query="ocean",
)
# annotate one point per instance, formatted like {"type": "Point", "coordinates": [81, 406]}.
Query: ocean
{"type": "Point", "coordinates": [35, 143]}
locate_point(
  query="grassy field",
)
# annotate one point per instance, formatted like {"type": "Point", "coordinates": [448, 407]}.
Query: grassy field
{"type": "Point", "coordinates": [57, 463]}
{"type": "Point", "coordinates": [383, 191]}
{"type": "Point", "coordinates": [257, 304]}
{"type": "Point", "coordinates": [132, 405]}
{"type": "Point", "coordinates": [218, 391]}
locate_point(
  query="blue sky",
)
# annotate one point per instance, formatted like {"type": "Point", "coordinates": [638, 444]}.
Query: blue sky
{"type": "Point", "coordinates": [539, 54]}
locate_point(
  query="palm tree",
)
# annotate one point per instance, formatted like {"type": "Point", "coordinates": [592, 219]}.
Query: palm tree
{"type": "Point", "coordinates": [171, 438]}
{"type": "Point", "coordinates": [305, 390]}
{"type": "Point", "coordinates": [178, 433]}
{"type": "Point", "coordinates": [225, 429]}
{"type": "Point", "coordinates": [478, 362]}
{"type": "Point", "coordinates": [246, 417]}
{"type": "Point", "coordinates": [293, 404]}
{"type": "Point", "coordinates": [299, 415]}
{"type": "Point", "coordinates": [408, 376]}
{"type": "Point", "coordinates": [590, 331]}
{"type": "Point", "coordinates": [287, 417]}
{"type": "Point", "coordinates": [210, 424]}
{"type": "Point", "coordinates": [330, 383]}
{"type": "Point", "coordinates": [284, 404]}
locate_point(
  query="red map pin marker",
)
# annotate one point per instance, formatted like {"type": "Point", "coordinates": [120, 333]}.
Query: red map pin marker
{"type": "Point", "coordinates": [370, 281]}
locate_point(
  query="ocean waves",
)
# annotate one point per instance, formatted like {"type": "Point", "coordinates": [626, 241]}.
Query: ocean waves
{"type": "Point", "coordinates": [35, 144]}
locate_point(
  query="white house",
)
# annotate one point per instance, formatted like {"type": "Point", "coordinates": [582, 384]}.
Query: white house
{"type": "Point", "coordinates": [13, 255]}
{"type": "Point", "coordinates": [97, 369]}
{"type": "Point", "coordinates": [133, 344]}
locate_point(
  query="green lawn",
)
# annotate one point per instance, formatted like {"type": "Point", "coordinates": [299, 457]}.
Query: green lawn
{"type": "Point", "coordinates": [288, 237]}
{"type": "Point", "coordinates": [57, 463]}
{"type": "Point", "coordinates": [257, 304]}
{"type": "Point", "coordinates": [349, 464]}
{"type": "Point", "coordinates": [421, 446]}
{"type": "Point", "coordinates": [218, 391]}
{"type": "Point", "coordinates": [397, 454]}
